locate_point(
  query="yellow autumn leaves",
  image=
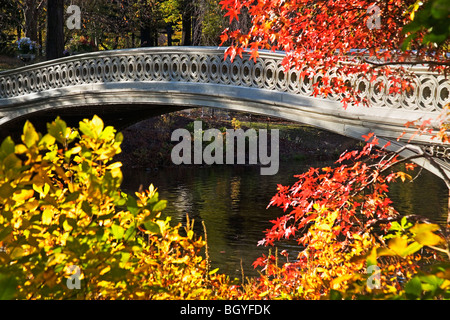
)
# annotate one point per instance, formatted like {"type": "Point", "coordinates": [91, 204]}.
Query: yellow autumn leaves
{"type": "Point", "coordinates": [61, 207]}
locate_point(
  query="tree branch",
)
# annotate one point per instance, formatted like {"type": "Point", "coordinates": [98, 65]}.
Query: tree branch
{"type": "Point", "coordinates": [390, 63]}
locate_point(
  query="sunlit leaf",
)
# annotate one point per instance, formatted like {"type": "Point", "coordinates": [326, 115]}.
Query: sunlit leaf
{"type": "Point", "coordinates": [213, 271]}
{"type": "Point", "coordinates": [423, 227]}
{"type": "Point", "coordinates": [86, 129]}
{"type": "Point", "coordinates": [428, 238]}
{"type": "Point", "coordinates": [159, 206]}
{"type": "Point", "coordinates": [47, 216]}
{"type": "Point", "coordinates": [47, 141]}
{"type": "Point", "coordinates": [30, 137]}
{"type": "Point", "coordinates": [400, 246]}
{"type": "Point", "coordinates": [97, 125]}
{"type": "Point", "coordinates": [117, 231]}
{"type": "Point", "coordinates": [152, 227]}
{"type": "Point", "coordinates": [23, 195]}
{"type": "Point", "coordinates": [58, 130]}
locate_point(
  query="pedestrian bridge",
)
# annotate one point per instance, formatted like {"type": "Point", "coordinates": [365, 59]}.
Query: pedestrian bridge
{"type": "Point", "coordinates": [136, 83]}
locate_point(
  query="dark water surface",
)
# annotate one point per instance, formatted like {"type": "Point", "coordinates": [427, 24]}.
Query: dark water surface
{"type": "Point", "coordinates": [232, 202]}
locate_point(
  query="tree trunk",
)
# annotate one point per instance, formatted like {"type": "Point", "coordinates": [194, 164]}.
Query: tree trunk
{"type": "Point", "coordinates": [147, 37]}
{"type": "Point", "coordinates": [186, 24]}
{"type": "Point", "coordinates": [55, 29]}
{"type": "Point", "coordinates": [40, 41]}
{"type": "Point", "coordinates": [31, 19]}
{"type": "Point", "coordinates": [197, 23]}
{"type": "Point", "coordinates": [169, 29]}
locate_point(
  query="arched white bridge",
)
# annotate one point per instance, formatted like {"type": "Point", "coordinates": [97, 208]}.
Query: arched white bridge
{"type": "Point", "coordinates": [173, 78]}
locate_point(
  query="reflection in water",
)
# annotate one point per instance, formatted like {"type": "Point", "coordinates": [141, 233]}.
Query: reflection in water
{"type": "Point", "coordinates": [232, 201]}
{"type": "Point", "coordinates": [183, 201]}
{"type": "Point", "coordinates": [427, 195]}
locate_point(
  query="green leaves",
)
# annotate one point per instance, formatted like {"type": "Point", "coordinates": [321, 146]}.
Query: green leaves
{"type": "Point", "coordinates": [7, 147]}
{"type": "Point", "coordinates": [8, 287]}
{"type": "Point", "coordinates": [117, 231]}
{"type": "Point", "coordinates": [399, 228]}
{"type": "Point", "coordinates": [58, 129]}
{"type": "Point", "coordinates": [427, 286]}
{"type": "Point", "coordinates": [409, 239]}
{"type": "Point", "coordinates": [413, 288]}
{"type": "Point", "coordinates": [95, 129]}
{"type": "Point", "coordinates": [153, 227]}
{"type": "Point", "coordinates": [432, 18]}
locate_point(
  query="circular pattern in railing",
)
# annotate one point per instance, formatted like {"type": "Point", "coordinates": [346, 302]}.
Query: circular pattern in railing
{"type": "Point", "coordinates": [430, 92]}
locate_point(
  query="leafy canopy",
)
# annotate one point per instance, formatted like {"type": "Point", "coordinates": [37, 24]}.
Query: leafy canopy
{"type": "Point", "coordinates": [359, 38]}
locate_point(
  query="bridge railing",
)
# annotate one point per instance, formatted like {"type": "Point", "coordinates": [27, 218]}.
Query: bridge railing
{"type": "Point", "coordinates": [207, 65]}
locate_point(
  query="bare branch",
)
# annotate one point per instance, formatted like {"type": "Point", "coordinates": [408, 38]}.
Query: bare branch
{"type": "Point", "coordinates": [391, 63]}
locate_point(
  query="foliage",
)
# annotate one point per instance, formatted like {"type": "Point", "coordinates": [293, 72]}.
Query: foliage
{"type": "Point", "coordinates": [26, 46]}
{"type": "Point", "coordinates": [346, 229]}
{"type": "Point", "coordinates": [9, 16]}
{"type": "Point", "coordinates": [345, 35]}
{"type": "Point", "coordinates": [61, 207]}
{"type": "Point", "coordinates": [429, 21]}
{"type": "Point", "coordinates": [212, 23]}
{"type": "Point", "coordinates": [313, 273]}
{"type": "Point", "coordinates": [356, 189]}
{"type": "Point", "coordinates": [341, 217]}
{"type": "Point", "coordinates": [400, 276]}
{"type": "Point", "coordinates": [80, 44]}
{"type": "Point", "coordinates": [62, 211]}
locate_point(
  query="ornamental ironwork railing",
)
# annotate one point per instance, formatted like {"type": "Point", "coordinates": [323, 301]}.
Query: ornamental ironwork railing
{"type": "Point", "coordinates": [430, 93]}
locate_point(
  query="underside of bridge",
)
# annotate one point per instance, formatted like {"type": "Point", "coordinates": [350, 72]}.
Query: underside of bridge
{"type": "Point", "coordinates": [122, 115]}
{"type": "Point", "coordinates": [118, 116]}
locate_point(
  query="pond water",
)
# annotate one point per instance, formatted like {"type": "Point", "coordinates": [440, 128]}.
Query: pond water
{"type": "Point", "coordinates": [232, 201]}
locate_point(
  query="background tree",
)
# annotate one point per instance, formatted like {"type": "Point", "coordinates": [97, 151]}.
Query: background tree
{"type": "Point", "coordinates": [55, 29]}
{"type": "Point", "coordinates": [21, 18]}
{"type": "Point", "coordinates": [10, 21]}
{"type": "Point", "coordinates": [31, 12]}
{"type": "Point", "coordinates": [113, 24]}
{"type": "Point", "coordinates": [209, 23]}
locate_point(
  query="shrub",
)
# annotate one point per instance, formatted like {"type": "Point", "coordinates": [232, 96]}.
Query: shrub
{"type": "Point", "coordinates": [67, 231]}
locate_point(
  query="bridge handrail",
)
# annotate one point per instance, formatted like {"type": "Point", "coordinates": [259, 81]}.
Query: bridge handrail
{"type": "Point", "coordinates": [206, 65]}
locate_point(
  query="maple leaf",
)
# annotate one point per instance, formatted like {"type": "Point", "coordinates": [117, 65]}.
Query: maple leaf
{"type": "Point", "coordinates": [410, 166]}
{"type": "Point", "coordinates": [254, 55]}
{"type": "Point", "coordinates": [290, 231]}
{"type": "Point", "coordinates": [368, 136]}
{"type": "Point", "coordinates": [223, 38]}
{"type": "Point", "coordinates": [233, 14]}
{"type": "Point", "coordinates": [260, 262]}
